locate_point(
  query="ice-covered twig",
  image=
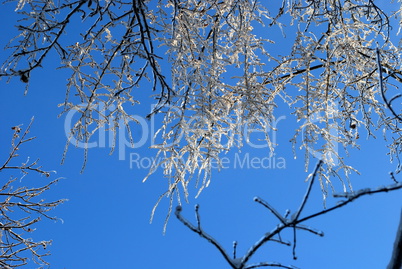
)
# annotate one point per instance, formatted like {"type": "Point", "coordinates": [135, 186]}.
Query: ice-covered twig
{"type": "Point", "coordinates": [294, 243]}
{"type": "Point", "coordinates": [25, 201]}
{"type": "Point", "coordinates": [270, 264]}
{"type": "Point", "coordinates": [294, 222]}
{"type": "Point", "coordinates": [311, 230]}
{"type": "Point", "coordinates": [391, 174]}
{"type": "Point", "coordinates": [357, 194]}
{"type": "Point", "coordinates": [280, 241]}
{"type": "Point", "coordinates": [203, 234]}
{"type": "Point", "coordinates": [387, 103]}
{"type": "Point", "coordinates": [396, 259]}
{"type": "Point", "coordinates": [270, 208]}
{"type": "Point", "coordinates": [197, 216]}
{"type": "Point", "coordinates": [307, 194]}
{"type": "Point", "coordinates": [303, 203]}
{"type": "Point", "coordinates": [353, 196]}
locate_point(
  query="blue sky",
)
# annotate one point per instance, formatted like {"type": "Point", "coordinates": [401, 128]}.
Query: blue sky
{"type": "Point", "coordinates": [106, 220]}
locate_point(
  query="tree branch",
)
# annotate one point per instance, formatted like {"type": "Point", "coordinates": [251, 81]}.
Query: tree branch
{"type": "Point", "coordinates": [387, 103]}
{"type": "Point", "coordinates": [293, 222]}
{"type": "Point", "coordinates": [16, 198]}
{"type": "Point", "coordinates": [396, 259]}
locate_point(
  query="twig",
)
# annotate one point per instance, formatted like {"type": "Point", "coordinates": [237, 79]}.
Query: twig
{"type": "Point", "coordinates": [270, 208]}
{"type": "Point", "coordinates": [294, 222]}
{"type": "Point", "coordinates": [27, 204]}
{"type": "Point", "coordinates": [204, 235]}
{"type": "Point", "coordinates": [387, 103]}
{"type": "Point", "coordinates": [305, 198]}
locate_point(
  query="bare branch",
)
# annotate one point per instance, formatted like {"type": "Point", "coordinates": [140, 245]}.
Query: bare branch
{"type": "Point", "coordinates": [306, 195]}
{"type": "Point", "coordinates": [387, 103]}
{"type": "Point", "coordinates": [294, 223]}
{"type": "Point", "coordinates": [15, 246]}
{"type": "Point", "coordinates": [204, 235]}
{"type": "Point", "coordinates": [270, 264]}
{"type": "Point", "coordinates": [270, 208]}
{"type": "Point", "coordinates": [396, 259]}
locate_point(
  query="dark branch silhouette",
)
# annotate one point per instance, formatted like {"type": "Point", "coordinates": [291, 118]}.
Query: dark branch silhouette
{"type": "Point", "coordinates": [396, 258]}
{"type": "Point", "coordinates": [294, 222]}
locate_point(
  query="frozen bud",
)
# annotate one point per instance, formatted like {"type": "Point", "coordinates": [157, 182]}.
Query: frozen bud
{"type": "Point", "coordinates": [353, 124]}
{"type": "Point", "coordinates": [16, 129]}
{"type": "Point", "coordinates": [24, 77]}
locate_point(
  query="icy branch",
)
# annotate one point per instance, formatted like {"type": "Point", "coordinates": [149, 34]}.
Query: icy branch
{"type": "Point", "coordinates": [387, 103]}
{"type": "Point", "coordinates": [270, 208]}
{"type": "Point", "coordinates": [203, 234]}
{"type": "Point", "coordinates": [306, 196]}
{"type": "Point", "coordinates": [27, 203]}
{"type": "Point", "coordinates": [294, 222]}
{"type": "Point", "coordinates": [270, 264]}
